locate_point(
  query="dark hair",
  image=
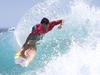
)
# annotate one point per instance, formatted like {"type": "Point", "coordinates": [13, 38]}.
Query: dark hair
{"type": "Point", "coordinates": [44, 21]}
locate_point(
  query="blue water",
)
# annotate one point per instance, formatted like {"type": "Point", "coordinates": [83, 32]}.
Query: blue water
{"type": "Point", "coordinates": [79, 27]}
{"type": "Point", "coordinates": [49, 48]}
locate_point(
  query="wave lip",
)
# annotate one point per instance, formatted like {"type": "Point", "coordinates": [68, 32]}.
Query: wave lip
{"type": "Point", "coordinates": [11, 29]}
{"type": "Point", "coordinates": [3, 30]}
{"type": "Point", "coordinates": [7, 29]}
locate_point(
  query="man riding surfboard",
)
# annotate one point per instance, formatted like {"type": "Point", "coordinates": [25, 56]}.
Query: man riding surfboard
{"type": "Point", "coordinates": [37, 34]}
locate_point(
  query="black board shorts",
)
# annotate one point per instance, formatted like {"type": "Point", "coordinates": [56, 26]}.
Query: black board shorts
{"type": "Point", "coordinates": [34, 38]}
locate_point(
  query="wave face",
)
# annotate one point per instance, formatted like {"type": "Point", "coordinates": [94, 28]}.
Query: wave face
{"type": "Point", "coordinates": [73, 50]}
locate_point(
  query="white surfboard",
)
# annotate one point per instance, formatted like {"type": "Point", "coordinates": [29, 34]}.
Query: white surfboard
{"type": "Point", "coordinates": [24, 61]}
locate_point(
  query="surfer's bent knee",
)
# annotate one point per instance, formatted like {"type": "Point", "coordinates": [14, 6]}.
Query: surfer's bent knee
{"type": "Point", "coordinates": [32, 44]}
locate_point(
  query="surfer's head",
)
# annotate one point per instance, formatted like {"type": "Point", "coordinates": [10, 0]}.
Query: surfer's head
{"type": "Point", "coordinates": [44, 21]}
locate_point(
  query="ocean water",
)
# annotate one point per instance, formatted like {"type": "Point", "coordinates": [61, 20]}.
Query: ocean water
{"type": "Point", "coordinates": [73, 50]}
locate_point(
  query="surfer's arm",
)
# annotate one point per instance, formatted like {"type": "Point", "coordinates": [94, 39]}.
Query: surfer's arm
{"type": "Point", "coordinates": [60, 26]}
{"type": "Point", "coordinates": [56, 22]}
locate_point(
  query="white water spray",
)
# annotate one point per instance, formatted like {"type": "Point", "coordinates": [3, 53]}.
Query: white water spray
{"type": "Point", "coordinates": [83, 56]}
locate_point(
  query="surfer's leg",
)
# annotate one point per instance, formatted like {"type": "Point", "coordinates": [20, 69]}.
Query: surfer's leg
{"type": "Point", "coordinates": [25, 44]}
{"type": "Point", "coordinates": [30, 44]}
{"type": "Point", "coordinates": [31, 49]}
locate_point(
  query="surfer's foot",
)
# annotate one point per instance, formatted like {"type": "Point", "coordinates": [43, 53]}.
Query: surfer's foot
{"type": "Point", "coordinates": [23, 54]}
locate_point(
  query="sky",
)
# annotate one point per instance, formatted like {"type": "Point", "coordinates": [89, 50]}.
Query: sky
{"type": "Point", "coordinates": [94, 2]}
{"type": "Point", "coordinates": [11, 11]}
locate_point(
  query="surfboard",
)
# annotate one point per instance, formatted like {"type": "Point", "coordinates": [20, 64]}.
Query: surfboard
{"type": "Point", "coordinates": [24, 61]}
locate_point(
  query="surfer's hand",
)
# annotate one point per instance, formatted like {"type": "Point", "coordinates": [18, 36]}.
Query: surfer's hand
{"type": "Point", "coordinates": [62, 22]}
{"type": "Point", "coordinates": [60, 26]}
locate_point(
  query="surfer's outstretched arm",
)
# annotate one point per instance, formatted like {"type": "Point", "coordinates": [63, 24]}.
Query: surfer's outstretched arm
{"type": "Point", "coordinates": [60, 26]}
{"type": "Point", "coordinates": [57, 22]}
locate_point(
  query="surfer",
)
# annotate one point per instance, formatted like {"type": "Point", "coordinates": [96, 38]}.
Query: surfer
{"type": "Point", "coordinates": [37, 33]}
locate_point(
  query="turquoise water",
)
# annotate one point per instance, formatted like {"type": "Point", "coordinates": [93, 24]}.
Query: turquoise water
{"type": "Point", "coordinates": [8, 46]}
{"type": "Point", "coordinates": [50, 47]}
